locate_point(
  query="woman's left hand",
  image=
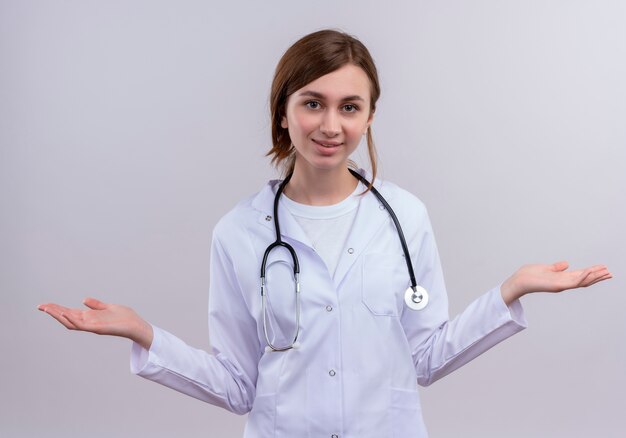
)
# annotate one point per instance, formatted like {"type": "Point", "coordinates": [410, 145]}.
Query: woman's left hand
{"type": "Point", "coordinates": [550, 278]}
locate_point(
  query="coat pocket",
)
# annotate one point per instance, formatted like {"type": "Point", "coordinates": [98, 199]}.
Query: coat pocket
{"type": "Point", "coordinates": [385, 279]}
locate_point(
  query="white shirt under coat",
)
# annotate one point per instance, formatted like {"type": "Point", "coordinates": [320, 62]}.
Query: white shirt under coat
{"type": "Point", "coordinates": [362, 352]}
{"type": "Point", "coordinates": [327, 226]}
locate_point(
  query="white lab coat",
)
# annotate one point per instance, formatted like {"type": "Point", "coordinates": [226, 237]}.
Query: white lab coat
{"type": "Point", "coordinates": [362, 352]}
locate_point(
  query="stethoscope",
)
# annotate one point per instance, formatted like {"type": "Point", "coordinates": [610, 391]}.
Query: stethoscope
{"type": "Point", "coordinates": [415, 297]}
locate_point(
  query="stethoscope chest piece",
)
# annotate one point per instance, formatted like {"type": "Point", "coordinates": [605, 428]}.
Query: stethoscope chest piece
{"type": "Point", "coordinates": [416, 299]}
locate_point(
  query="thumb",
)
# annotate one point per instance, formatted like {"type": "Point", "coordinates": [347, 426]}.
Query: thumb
{"type": "Point", "coordinates": [94, 304]}
{"type": "Point", "coordinates": [560, 266]}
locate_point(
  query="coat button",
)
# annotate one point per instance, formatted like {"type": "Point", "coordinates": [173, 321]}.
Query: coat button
{"type": "Point", "coordinates": [350, 250]}
{"type": "Point", "coordinates": [332, 373]}
{"type": "Point", "coordinates": [268, 218]}
{"type": "Point", "coordinates": [334, 435]}
{"type": "Point", "coordinates": [329, 308]}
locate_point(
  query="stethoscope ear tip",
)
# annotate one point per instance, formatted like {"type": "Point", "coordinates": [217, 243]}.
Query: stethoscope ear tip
{"type": "Point", "coordinates": [268, 349]}
{"type": "Point", "coordinates": [296, 345]}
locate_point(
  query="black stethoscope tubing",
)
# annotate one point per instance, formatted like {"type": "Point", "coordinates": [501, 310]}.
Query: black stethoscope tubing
{"type": "Point", "coordinates": [296, 265]}
{"type": "Point", "coordinates": [405, 248]}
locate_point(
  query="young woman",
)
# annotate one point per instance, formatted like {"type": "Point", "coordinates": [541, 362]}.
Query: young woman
{"type": "Point", "coordinates": [350, 312]}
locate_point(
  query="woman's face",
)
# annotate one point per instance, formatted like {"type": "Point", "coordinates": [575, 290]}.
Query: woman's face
{"type": "Point", "coordinates": [327, 118]}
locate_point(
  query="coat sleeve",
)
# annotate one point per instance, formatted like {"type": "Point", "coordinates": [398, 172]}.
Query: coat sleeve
{"type": "Point", "coordinates": [225, 376]}
{"type": "Point", "coordinates": [440, 345]}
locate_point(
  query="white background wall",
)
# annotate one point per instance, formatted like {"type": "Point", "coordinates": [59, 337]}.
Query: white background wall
{"type": "Point", "coordinates": [128, 128]}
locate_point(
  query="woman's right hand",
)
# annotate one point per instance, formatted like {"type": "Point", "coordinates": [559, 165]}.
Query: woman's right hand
{"type": "Point", "coordinates": [103, 319]}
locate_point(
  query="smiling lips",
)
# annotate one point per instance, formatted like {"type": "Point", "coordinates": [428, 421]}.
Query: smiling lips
{"type": "Point", "coordinates": [328, 144]}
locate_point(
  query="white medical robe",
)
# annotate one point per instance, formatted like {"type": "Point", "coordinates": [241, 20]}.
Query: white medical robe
{"type": "Point", "coordinates": [362, 352]}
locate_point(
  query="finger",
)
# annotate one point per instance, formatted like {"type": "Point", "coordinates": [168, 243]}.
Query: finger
{"type": "Point", "coordinates": [51, 307]}
{"type": "Point", "coordinates": [586, 276]}
{"type": "Point", "coordinates": [45, 306]}
{"type": "Point", "coordinates": [593, 274]}
{"type": "Point", "coordinates": [596, 268]}
{"type": "Point", "coordinates": [75, 320]}
{"type": "Point", "coordinates": [606, 276]}
{"type": "Point", "coordinates": [82, 321]}
{"type": "Point", "coordinates": [580, 274]}
{"type": "Point", "coordinates": [560, 266]}
{"type": "Point", "coordinates": [59, 316]}
{"type": "Point", "coordinates": [94, 304]}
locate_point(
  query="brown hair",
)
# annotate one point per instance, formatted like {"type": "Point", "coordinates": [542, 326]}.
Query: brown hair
{"type": "Point", "coordinates": [308, 59]}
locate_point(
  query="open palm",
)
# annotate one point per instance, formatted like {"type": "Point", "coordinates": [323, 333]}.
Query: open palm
{"type": "Point", "coordinates": [103, 319]}
{"type": "Point", "coordinates": [551, 278]}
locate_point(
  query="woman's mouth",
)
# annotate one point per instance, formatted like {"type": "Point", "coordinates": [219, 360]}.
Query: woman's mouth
{"type": "Point", "coordinates": [327, 144]}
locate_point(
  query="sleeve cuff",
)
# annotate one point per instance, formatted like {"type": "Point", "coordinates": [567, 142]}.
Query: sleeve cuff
{"type": "Point", "coordinates": [515, 310]}
{"type": "Point", "coordinates": [140, 358]}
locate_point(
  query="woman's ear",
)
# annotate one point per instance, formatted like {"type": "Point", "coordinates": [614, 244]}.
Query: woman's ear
{"type": "Point", "coordinates": [370, 119]}
{"type": "Point", "coordinates": [283, 122]}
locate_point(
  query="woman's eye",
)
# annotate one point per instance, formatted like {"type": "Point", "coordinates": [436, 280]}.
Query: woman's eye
{"type": "Point", "coordinates": [312, 104]}
{"type": "Point", "coordinates": [350, 108]}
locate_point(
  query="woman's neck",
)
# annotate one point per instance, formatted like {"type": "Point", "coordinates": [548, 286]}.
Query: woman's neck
{"type": "Point", "coordinates": [320, 187]}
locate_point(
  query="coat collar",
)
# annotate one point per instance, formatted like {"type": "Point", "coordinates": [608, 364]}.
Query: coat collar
{"type": "Point", "coordinates": [370, 217]}
{"type": "Point", "coordinates": [290, 230]}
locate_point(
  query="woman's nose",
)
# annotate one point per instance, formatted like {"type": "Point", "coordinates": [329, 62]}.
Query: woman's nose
{"type": "Point", "coordinates": [330, 125]}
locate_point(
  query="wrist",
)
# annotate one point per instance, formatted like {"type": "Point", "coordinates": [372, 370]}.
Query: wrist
{"type": "Point", "coordinates": [143, 334]}
{"type": "Point", "coordinates": [510, 290]}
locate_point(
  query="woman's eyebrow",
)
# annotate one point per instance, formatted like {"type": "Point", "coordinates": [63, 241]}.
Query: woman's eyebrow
{"type": "Point", "coordinates": [317, 95]}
